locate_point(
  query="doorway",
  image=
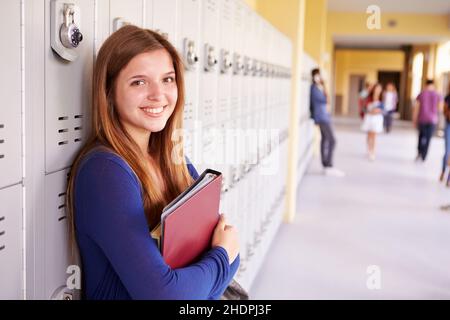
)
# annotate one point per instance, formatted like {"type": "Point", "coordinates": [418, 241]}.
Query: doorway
{"type": "Point", "coordinates": [385, 77]}
{"type": "Point", "coordinates": [356, 85]}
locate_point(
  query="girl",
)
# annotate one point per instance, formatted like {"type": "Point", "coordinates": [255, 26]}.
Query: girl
{"type": "Point", "coordinates": [373, 119]}
{"type": "Point", "coordinates": [128, 172]}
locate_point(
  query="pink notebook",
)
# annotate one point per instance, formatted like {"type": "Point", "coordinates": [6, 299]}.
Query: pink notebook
{"type": "Point", "coordinates": [188, 222]}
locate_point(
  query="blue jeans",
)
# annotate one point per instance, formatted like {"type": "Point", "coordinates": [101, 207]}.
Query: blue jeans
{"type": "Point", "coordinates": [447, 146]}
{"type": "Point", "coordinates": [327, 144]}
{"type": "Point", "coordinates": [425, 133]}
{"type": "Point", "coordinates": [388, 121]}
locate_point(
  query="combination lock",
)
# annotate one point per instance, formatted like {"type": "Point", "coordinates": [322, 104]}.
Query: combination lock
{"type": "Point", "coordinates": [190, 56]}
{"type": "Point", "coordinates": [210, 61]}
{"type": "Point", "coordinates": [226, 62]}
{"type": "Point", "coordinates": [69, 33]}
{"type": "Point", "coordinates": [238, 65]}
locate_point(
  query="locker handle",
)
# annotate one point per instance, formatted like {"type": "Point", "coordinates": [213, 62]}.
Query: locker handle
{"type": "Point", "coordinates": [2, 247]}
{"type": "Point", "coordinates": [62, 218]}
{"type": "Point", "coordinates": [2, 141]}
{"type": "Point", "coordinates": [61, 206]}
{"type": "Point", "coordinates": [63, 130]}
{"type": "Point", "coordinates": [62, 143]}
{"type": "Point", "coordinates": [2, 156]}
{"type": "Point", "coordinates": [2, 218]}
{"type": "Point", "coordinates": [61, 194]}
{"type": "Point", "coordinates": [2, 126]}
{"type": "Point", "coordinates": [78, 116]}
{"type": "Point", "coordinates": [2, 233]}
{"type": "Point", "coordinates": [63, 118]}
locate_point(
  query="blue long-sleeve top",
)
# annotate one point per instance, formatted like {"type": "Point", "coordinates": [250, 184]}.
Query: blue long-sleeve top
{"type": "Point", "coordinates": [119, 258]}
{"type": "Point", "coordinates": [318, 105]}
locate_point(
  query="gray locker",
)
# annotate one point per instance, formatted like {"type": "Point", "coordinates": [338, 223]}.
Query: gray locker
{"type": "Point", "coordinates": [236, 99]}
{"type": "Point", "coordinates": [209, 57]}
{"type": "Point", "coordinates": [56, 244]}
{"type": "Point", "coordinates": [11, 235]}
{"type": "Point", "coordinates": [10, 91]}
{"type": "Point", "coordinates": [188, 44]}
{"type": "Point", "coordinates": [103, 24]}
{"type": "Point", "coordinates": [67, 93]}
{"type": "Point", "coordinates": [164, 18]}
{"type": "Point", "coordinates": [224, 97]}
{"type": "Point", "coordinates": [126, 12]}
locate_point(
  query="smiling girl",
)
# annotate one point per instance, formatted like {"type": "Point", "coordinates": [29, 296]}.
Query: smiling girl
{"type": "Point", "coordinates": [125, 175]}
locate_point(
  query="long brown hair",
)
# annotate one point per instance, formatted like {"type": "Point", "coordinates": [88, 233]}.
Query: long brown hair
{"type": "Point", "coordinates": [371, 95]}
{"type": "Point", "coordinates": [108, 132]}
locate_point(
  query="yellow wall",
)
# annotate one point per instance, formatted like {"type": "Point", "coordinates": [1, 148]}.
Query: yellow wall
{"type": "Point", "coordinates": [442, 65]}
{"type": "Point", "coordinates": [363, 62]}
{"type": "Point", "coordinates": [316, 29]}
{"type": "Point", "coordinates": [251, 3]}
{"type": "Point", "coordinates": [283, 17]}
{"type": "Point", "coordinates": [355, 23]}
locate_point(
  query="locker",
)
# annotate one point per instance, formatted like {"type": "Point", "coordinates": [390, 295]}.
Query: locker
{"type": "Point", "coordinates": [10, 91]}
{"type": "Point", "coordinates": [225, 59]}
{"type": "Point", "coordinates": [11, 243]}
{"type": "Point", "coordinates": [224, 82]}
{"type": "Point", "coordinates": [236, 98]}
{"type": "Point", "coordinates": [188, 44]}
{"type": "Point", "coordinates": [209, 147]}
{"type": "Point", "coordinates": [102, 23]}
{"type": "Point", "coordinates": [56, 244]}
{"type": "Point", "coordinates": [67, 94]}
{"type": "Point", "coordinates": [238, 92]}
{"type": "Point", "coordinates": [126, 12]}
{"type": "Point", "coordinates": [222, 155]}
{"type": "Point", "coordinates": [163, 16]}
{"type": "Point", "coordinates": [209, 57]}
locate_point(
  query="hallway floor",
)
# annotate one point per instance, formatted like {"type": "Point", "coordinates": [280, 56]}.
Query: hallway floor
{"type": "Point", "coordinates": [384, 213]}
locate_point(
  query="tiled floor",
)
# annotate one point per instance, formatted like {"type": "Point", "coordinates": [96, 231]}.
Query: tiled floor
{"type": "Point", "coordinates": [384, 213]}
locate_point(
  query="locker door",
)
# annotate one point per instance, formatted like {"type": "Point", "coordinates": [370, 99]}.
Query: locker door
{"type": "Point", "coordinates": [11, 243]}
{"type": "Point", "coordinates": [56, 245]}
{"type": "Point", "coordinates": [224, 82]}
{"type": "Point", "coordinates": [102, 23]}
{"type": "Point", "coordinates": [10, 91]}
{"type": "Point", "coordinates": [67, 94]}
{"type": "Point", "coordinates": [126, 12]}
{"type": "Point", "coordinates": [247, 85]}
{"type": "Point", "coordinates": [236, 99]}
{"type": "Point", "coordinates": [164, 18]}
{"type": "Point", "coordinates": [188, 44]}
{"type": "Point", "coordinates": [209, 56]}
{"type": "Point", "coordinates": [225, 59]}
{"type": "Point", "coordinates": [209, 62]}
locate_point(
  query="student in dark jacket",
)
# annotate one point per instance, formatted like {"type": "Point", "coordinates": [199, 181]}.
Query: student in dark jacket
{"type": "Point", "coordinates": [318, 108]}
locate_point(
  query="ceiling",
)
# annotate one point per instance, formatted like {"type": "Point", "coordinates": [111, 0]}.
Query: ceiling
{"type": "Point", "coordinates": [404, 6]}
{"type": "Point", "coordinates": [388, 41]}
{"type": "Point", "coordinates": [385, 42]}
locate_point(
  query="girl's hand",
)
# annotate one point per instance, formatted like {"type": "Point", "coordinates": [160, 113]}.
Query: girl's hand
{"type": "Point", "coordinates": [226, 236]}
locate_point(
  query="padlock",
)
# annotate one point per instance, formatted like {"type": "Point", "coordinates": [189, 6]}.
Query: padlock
{"type": "Point", "coordinates": [69, 33]}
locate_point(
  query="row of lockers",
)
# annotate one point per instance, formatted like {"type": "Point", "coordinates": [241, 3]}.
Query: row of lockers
{"type": "Point", "coordinates": [246, 85]}
{"type": "Point", "coordinates": [259, 56]}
